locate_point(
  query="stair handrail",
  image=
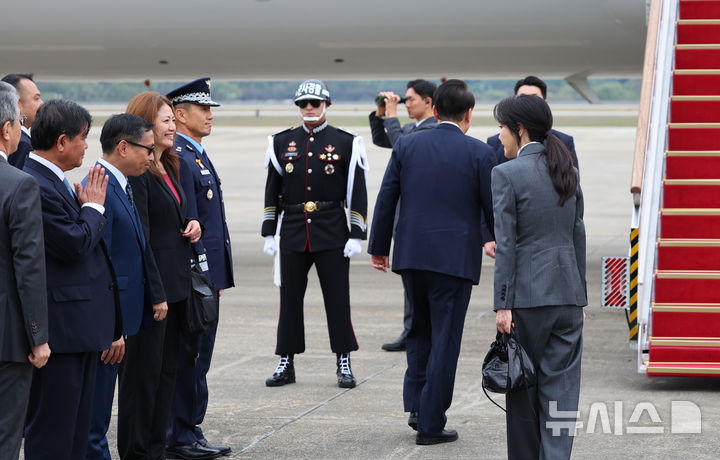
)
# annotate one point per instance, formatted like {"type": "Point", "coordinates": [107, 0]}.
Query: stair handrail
{"type": "Point", "coordinates": [646, 91]}
{"type": "Point", "coordinates": [653, 164]}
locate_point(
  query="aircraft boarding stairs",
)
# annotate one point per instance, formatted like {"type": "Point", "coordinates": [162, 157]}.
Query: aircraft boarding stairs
{"type": "Point", "coordinates": [683, 322]}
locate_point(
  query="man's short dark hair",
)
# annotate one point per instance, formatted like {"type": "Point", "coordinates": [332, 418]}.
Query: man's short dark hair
{"type": "Point", "coordinates": [531, 80]}
{"type": "Point", "coordinates": [453, 99]}
{"type": "Point", "coordinates": [422, 87]}
{"type": "Point", "coordinates": [58, 117]}
{"type": "Point", "coordinates": [15, 78]}
{"type": "Point", "coordinates": [124, 126]}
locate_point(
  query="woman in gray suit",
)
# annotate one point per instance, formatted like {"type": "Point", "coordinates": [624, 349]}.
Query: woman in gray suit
{"type": "Point", "coordinates": [539, 275]}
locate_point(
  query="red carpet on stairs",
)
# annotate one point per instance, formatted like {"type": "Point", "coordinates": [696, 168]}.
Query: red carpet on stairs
{"type": "Point", "coordinates": [680, 166]}
{"type": "Point", "coordinates": [680, 138]}
{"type": "Point", "coordinates": [704, 58]}
{"type": "Point", "coordinates": [688, 255]}
{"type": "Point", "coordinates": [688, 83]}
{"type": "Point", "coordinates": [689, 224]}
{"type": "Point", "coordinates": [699, 9]}
{"type": "Point", "coordinates": [685, 327]}
{"type": "Point", "coordinates": [695, 111]}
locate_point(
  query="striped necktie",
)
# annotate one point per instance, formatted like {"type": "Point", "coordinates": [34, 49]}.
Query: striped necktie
{"type": "Point", "coordinates": [128, 191]}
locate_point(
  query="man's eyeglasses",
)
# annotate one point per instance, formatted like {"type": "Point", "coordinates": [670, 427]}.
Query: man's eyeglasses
{"type": "Point", "coordinates": [313, 102]}
{"type": "Point", "coordinates": [150, 149]}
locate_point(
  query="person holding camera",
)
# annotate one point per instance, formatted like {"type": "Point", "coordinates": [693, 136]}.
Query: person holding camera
{"type": "Point", "coordinates": [384, 123]}
{"type": "Point", "coordinates": [386, 130]}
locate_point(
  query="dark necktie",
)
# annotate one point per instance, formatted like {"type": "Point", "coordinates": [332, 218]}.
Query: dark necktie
{"type": "Point", "coordinates": [128, 191]}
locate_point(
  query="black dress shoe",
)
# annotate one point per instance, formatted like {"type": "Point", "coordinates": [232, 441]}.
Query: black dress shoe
{"type": "Point", "coordinates": [224, 450]}
{"type": "Point", "coordinates": [345, 377]}
{"type": "Point", "coordinates": [194, 451]}
{"type": "Point", "coordinates": [412, 420]}
{"type": "Point", "coordinates": [398, 345]}
{"type": "Point", "coordinates": [428, 439]}
{"type": "Point", "coordinates": [284, 372]}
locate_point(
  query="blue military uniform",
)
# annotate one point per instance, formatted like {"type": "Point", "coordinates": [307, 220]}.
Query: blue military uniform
{"type": "Point", "coordinates": [201, 184]}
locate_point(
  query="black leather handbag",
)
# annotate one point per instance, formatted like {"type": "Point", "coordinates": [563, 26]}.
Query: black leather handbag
{"type": "Point", "coordinates": [507, 367]}
{"type": "Point", "coordinates": [202, 305]}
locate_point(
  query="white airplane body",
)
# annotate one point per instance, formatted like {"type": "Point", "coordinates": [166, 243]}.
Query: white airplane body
{"type": "Point", "coordinates": [290, 39]}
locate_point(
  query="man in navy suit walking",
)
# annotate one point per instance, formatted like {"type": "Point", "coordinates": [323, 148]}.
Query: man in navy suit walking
{"type": "Point", "coordinates": [444, 177]}
{"type": "Point", "coordinates": [84, 315]}
{"type": "Point", "coordinates": [127, 144]}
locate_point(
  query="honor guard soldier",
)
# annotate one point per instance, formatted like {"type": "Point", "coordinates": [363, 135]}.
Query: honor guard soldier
{"type": "Point", "coordinates": [314, 173]}
{"type": "Point", "coordinates": [201, 184]}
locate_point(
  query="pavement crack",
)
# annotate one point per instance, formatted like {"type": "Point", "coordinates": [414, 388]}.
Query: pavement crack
{"type": "Point", "coordinates": [317, 406]}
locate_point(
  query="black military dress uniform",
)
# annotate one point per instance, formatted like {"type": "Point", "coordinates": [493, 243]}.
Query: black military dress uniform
{"type": "Point", "coordinates": [307, 183]}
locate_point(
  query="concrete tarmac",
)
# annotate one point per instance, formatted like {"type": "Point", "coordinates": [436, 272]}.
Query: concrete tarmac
{"type": "Point", "coordinates": [314, 419]}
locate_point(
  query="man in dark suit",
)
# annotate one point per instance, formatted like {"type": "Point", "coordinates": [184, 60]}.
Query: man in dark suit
{"type": "Point", "coordinates": [444, 177]}
{"type": "Point", "coordinates": [386, 130]}
{"type": "Point", "coordinates": [127, 143]}
{"type": "Point", "coordinates": [30, 102]}
{"type": "Point", "coordinates": [83, 312]}
{"type": "Point", "coordinates": [23, 305]}
{"type": "Point", "coordinates": [201, 183]}
{"type": "Point", "coordinates": [531, 86]}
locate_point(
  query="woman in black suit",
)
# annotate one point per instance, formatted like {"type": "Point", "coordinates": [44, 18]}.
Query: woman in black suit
{"type": "Point", "coordinates": [148, 376]}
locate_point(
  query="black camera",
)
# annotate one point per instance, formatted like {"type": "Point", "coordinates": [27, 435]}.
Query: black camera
{"type": "Point", "coordinates": [380, 100]}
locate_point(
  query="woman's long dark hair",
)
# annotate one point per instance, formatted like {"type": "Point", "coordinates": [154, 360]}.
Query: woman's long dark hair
{"type": "Point", "coordinates": [534, 114]}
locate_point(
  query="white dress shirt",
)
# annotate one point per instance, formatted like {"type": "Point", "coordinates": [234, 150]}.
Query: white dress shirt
{"type": "Point", "coordinates": [61, 175]}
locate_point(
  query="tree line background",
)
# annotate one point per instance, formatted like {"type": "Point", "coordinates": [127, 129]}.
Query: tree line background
{"type": "Point", "coordinates": [489, 91]}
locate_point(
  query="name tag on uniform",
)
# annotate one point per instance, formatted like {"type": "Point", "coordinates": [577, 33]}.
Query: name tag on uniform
{"type": "Point", "coordinates": [204, 172]}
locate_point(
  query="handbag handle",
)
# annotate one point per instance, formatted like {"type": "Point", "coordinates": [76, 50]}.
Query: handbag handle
{"type": "Point", "coordinates": [504, 338]}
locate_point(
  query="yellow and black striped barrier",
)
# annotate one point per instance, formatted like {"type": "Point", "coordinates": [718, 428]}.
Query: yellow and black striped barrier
{"type": "Point", "coordinates": [632, 316]}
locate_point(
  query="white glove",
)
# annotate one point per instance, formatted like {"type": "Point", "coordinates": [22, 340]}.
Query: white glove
{"type": "Point", "coordinates": [270, 245]}
{"type": "Point", "coordinates": [352, 247]}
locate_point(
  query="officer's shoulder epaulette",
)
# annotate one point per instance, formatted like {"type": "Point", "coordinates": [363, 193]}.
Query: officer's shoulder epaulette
{"type": "Point", "coordinates": [284, 131]}
{"type": "Point", "coordinates": [184, 146]}
{"type": "Point", "coordinates": [340, 130]}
